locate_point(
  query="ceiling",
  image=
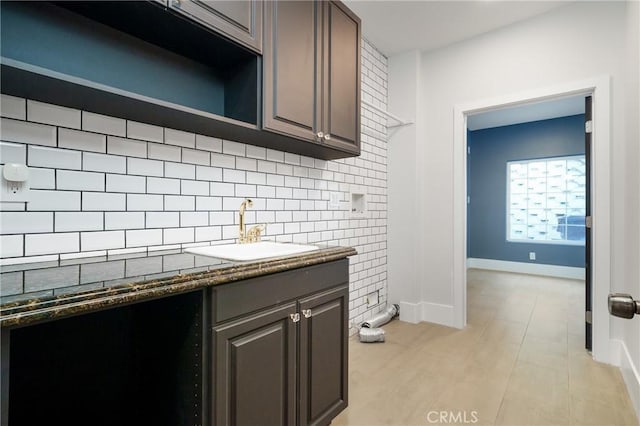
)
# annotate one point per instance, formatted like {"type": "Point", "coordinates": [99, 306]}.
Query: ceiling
{"type": "Point", "coordinates": [395, 26]}
{"type": "Point", "coordinates": [545, 110]}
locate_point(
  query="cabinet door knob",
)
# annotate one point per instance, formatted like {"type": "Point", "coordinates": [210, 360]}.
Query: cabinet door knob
{"type": "Point", "coordinates": [175, 3]}
{"type": "Point", "coordinates": [327, 137]}
{"type": "Point", "coordinates": [306, 313]}
{"type": "Point", "coordinates": [320, 135]}
{"type": "Point", "coordinates": [295, 317]}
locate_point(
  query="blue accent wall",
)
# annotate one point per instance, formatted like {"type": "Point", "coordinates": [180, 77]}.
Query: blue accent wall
{"type": "Point", "coordinates": [491, 149]}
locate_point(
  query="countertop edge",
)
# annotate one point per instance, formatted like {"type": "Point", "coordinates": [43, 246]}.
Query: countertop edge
{"type": "Point", "coordinates": [35, 311]}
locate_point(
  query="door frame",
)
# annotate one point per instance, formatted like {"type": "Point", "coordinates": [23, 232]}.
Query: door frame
{"type": "Point", "coordinates": [599, 88]}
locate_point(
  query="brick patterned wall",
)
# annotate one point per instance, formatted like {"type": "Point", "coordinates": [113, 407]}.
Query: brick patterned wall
{"type": "Point", "coordinates": [103, 185]}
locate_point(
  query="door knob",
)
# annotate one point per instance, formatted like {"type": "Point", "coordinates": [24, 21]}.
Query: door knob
{"type": "Point", "coordinates": [623, 306]}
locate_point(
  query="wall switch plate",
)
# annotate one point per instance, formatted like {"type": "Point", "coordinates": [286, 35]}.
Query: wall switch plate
{"type": "Point", "coordinates": [14, 191]}
{"type": "Point", "coordinates": [532, 255]}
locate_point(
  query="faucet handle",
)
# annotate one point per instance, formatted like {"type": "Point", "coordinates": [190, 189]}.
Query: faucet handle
{"type": "Point", "coordinates": [255, 233]}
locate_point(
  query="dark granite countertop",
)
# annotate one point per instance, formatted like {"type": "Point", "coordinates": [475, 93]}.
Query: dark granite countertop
{"type": "Point", "coordinates": [45, 291]}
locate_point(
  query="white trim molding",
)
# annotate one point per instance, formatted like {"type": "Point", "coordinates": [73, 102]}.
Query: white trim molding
{"type": "Point", "coordinates": [557, 271]}
{"type": "Point", "coordinates": [600, 89]}
{"type": "Point", "coordinates": [426, 312]}
{"type": "Point", "coordinates": [630, 372]}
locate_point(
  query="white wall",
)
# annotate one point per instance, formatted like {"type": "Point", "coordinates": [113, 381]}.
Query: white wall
{"type": "Point", "coordinates": [103, 185]}
{"type": "Point", "coordinates": [578, 41]}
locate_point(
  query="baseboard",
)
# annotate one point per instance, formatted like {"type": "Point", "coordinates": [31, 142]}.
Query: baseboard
{"type": "Point", "coordinates": [527, 268]}
{"type": "Point", "coordinates": [631, 374]}
{"type": "Point", "coordinates": [426, 312]}
{"type": "Point", "coordinates": [410, 312]}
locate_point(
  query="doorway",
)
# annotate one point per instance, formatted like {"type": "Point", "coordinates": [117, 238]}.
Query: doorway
{"type": "Point", "coordinates": [527, 183]}
{"type": "Point", "coordinates": [599, 89]}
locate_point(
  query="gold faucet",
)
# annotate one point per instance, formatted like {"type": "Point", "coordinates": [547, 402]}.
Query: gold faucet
{"type": "Point", "coordinates": [243, 237]}
{"type": "Point", "coordinates": [254, 234]}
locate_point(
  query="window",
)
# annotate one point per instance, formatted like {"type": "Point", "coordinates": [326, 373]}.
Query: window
{"type": "Point", "coordinates": [546, 200]}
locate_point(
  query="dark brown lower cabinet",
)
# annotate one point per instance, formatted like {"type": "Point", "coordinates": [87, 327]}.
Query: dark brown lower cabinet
{"type": "Point", "coordinates": [284, 364]}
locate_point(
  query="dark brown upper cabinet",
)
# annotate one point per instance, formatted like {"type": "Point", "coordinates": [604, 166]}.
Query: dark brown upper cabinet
{"type": "Point", "coordinates": [240, 20]}
{"type": "Point", "coordinates": [311, 73]}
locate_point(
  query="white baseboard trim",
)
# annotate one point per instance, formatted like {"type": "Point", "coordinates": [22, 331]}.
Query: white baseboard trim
{"type": "Point", "coordinates": [527, 268]}
{"type": "Point", "coordinates": [410, 312]}
{"type": "Point", "coordinates": [631, 374]}
{"type": "Point", "coordinates": [426, 312]}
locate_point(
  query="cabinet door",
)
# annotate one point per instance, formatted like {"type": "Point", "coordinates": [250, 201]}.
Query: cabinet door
{"type": "Point", "coordinates": [341, 107]}
{"type": "Point", "coordinates": [291, 68]}
{"type": "Point", "coordinates": [240, 20]}
{"type": "Point", "coordinates": [254, 369]}
{"type": "Point", "coordinates": [323, 371]}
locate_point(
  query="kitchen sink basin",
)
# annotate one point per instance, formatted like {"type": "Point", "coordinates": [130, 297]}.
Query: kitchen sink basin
{"type": "Point", "coordinates": [251, 251]}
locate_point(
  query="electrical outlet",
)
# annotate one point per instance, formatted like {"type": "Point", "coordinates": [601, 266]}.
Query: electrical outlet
{"type": "Point", "coordinates": [334, 200]}
{"type": "Point", "coordinates": [532, 255]}
{"type": "Point", "coordinates": [13, 191]}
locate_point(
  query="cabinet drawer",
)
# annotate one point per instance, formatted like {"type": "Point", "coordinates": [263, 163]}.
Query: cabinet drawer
{"type": "Point", "coordinates": [243, 297]}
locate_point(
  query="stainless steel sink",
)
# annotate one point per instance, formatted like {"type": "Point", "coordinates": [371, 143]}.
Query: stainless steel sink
{"type": "Point", "coordinates": [251, 251]}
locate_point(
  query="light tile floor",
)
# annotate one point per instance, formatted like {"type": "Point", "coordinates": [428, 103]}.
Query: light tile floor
{"type": "Point", "coordinates": [520, 361]}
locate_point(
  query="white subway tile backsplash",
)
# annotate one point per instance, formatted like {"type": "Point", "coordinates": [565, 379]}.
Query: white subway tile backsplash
{"type": "Point", "coordinates": [104, 240]}
{"type": "Point", "coordinates": [79, 221]}
{"type": "Point", "coordinates": [46, 200]}
{"type": "Point", "coordinates": [25, 222]}
{"type": "Point", "coordinates": [147, 132]}
{"type": "Point", "coordinates": [225, 161]}
{"type": "Point", "coordinates": [194, 219]}
{"type": "Point", "coordinates": [12, 107]}
{"type": "Point", "coordinates": [81, 141]}
{"type": "Point", "coordinates": [208, 233]}
{"type": "Point", "coordinates": [103, 201]}
{"type": "Point", "coordinates": [139, 166]}
{"type": "Point", "coordinates": [256, 178]}
{"type": "Point", "coordinates": [53, 114]}
{"type": "Point", "coordinates": [54, 158]}
{"type": "Point", "coordinates": [266, 191]}
{"type": "Point", "coordinates": [193, 187]}
{"type": "Point", "coordinates": [179, 235]}
{"type": "Point", "coordinates": [180, 138]}
{"type": "Point", "coordinates": [124, 220]}
{"type": "Point", "coordinates": [80, 181]}
{"type": "Point", "coordinates": [273, 155]}
{"type": "Point", "coordinates": [208, 173]}
{"type": "Point", "coordinates": [142, 238]}
{"type": "Point", "coordinates": [158, 151]}
{"type": "Point", "coordinates": [234, 176]}
{"type": "Point", "coordinates": [124, 183]}
{"type": "Point", "coordinates": [103, 163]}
{"type": "Point", "coordinates": [221, 218]}
{"type": "Point", "coordinates": [42, 178]}
{"type": "Point", "coordinates": [192, 156]}
{"type": "Point", "coordinates": [256, 152]}
{"type": "Point", "coordinates": [233, 148]}
{"type": "Point", "coordinates": [163, 186]}
{"type": "Point", "coordinates": [208, 203]}
{"type": "Point", "coordinates": [103, 124]}
{"type": "Point", "coordinates": [245, 190]}
{"type": "Point", "coordinates": [128, 147]}
{"type": "Point", "coordinates": [178, 170]}
{"type": "Point", "coordinates": [284, 169]}
{"type": "Point", "coordinates": [207, 143]}
{"type": "Point", "coordinates": [37, 244]}
{"type": "Point", "coordinates": [163, 220]}
{"type": "Point", "coordinates": [275, 204]}
{"type": "Point", "coordinates": [25, 132]}
{"type": "Point", "coordinates": [143, 202]}
{"type": "Point", "coordinates": [246, 164]}
{"type": "Point", "coordinates": [221, 189]}
{"type": "Point", "coordinates": [282, 192]}
{"type": "Point", "coordinates": [179, 202]}
{"type": "Point", "coordinates": [292, 158]}
{"type": "Point", "coordinates": [266, 166]}
{"type": "Point", "coordinates": [275, 180]}
{"type": "Point", "coordinates": [13, 153]}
